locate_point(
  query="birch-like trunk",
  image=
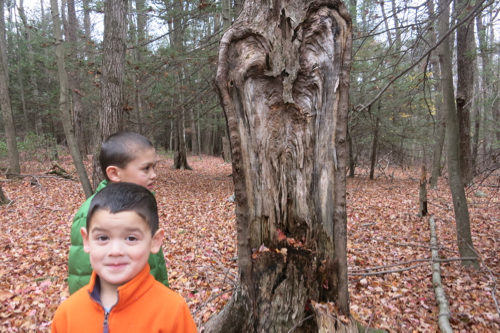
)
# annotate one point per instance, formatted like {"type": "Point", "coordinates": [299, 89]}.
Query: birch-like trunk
{"type": "Point", "coordinates": [283, 80]}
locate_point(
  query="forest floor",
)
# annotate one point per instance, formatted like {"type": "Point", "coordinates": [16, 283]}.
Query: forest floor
{"type": "Point", "coordinates": [200, 247]}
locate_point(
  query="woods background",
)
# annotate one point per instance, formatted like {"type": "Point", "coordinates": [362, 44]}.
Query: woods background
{"type": "Point", "coordinates": [396, 115]}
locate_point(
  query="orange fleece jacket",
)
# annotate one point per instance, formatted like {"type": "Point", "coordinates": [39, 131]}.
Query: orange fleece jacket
{"type": "Point", "coordinates": [144, 305]}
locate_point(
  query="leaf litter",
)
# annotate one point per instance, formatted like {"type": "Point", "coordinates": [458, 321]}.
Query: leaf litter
{"type": "Point", "coordinates": [200, 247]}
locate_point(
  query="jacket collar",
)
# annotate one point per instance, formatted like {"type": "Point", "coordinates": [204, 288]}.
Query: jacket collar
{"type": "Point", "coordinates": [128, 293]}
{"type": "Point", "coordinates": [101, 185]}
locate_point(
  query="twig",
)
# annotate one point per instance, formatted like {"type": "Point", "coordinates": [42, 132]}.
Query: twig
{"type": "Point", "coordinates": [212, 298]}
{"type": "Point", "coordinates": [444, 309]}
{"type": "Point", "coordinates": [370, 321]}
{"type": "Point", "coordinates": [408, 262]}
{"type": "Point", "coordinates": [386, 272]}
{"type": "Point", "coordinates": [300, 323]}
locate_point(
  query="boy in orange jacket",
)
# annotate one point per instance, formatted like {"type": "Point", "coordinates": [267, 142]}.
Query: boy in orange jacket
{"type": "Point", "coordinates": [121, 232]}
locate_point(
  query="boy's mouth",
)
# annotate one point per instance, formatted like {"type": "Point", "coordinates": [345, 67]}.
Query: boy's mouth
{"type": "Point", "coordinates": [117, 265]}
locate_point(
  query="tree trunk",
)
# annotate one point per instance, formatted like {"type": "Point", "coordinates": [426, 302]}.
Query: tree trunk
{"type": "Point", "coordinates": [74, 81]}
{"type": "Point", "coordinates": [465, 88]}
{"type": "Point", "coordinates": [486, 74]}
{"type": "Point", "coordinates": [64, 105]}
{"type": "Point", "coordinates": [8, 119]}
{"type": "Point", "coordinates": [352, 161]}
{"type": "Point", "coordinates": [180, 155]}
{"type": "Point", "coordinates": [3, 198]}
{"type": "Point", "coordinates": [464, 237]}
{"type": "Point", "coordinates": [113, 65]}
{"type": "Point", "coordinates": [440, 123]}
{"type": "Point", "coordinates": [283, 78]}
{"type": "Point", "coordinates": [423, 193]}
{"type": "Point", "coordinates": [374, 149]}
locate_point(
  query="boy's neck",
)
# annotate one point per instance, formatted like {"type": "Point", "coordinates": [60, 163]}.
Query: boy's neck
{"type": "Point", "coordinates": [108, 294]}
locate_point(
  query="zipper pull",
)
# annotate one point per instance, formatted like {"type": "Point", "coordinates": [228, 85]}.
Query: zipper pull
{"type": "Point", "coordinates": [106, 316]}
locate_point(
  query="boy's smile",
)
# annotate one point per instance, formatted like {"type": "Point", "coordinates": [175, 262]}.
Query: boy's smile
{"type": "Point", "coordinates": [119, 246]}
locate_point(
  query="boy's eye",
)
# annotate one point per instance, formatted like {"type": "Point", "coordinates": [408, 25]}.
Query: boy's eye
{"type": "Point", "coordinates": [102, 238]}
{"type": "Point", "coordinates": [132, 238]}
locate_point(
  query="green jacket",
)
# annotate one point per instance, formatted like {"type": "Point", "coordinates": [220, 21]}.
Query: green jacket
{"type": "Point", "coordinates": [79, 261]}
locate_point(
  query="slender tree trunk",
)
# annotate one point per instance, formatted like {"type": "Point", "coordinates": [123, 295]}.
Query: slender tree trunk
{"type": "Point", "coordinates": [352, 161]}
{"type": "Point", "coordinates": [194, 140]}
{"type": "Point", "coordinates": [374, 149]}
{"type": "Point", "coordinates": [226, 14]}
{"type": "Point", "coordinates": [113, 68]}
{"type": "Point", "coordinates": [465, 88]}
{"type": "Point", "coordinates": [8, 119]}
{"type": "Point", "coordinates": [486, 85]}
{"type": "Point", "coordinates": [74, 80]}
{"type": "Point", "coordinates": [180, 155]}
{"type": "Point", "coordinates": [464, 237]}
{"type": "Point", "coordinates": [27, 127]}
{"type": "Point", "coordinates": [287, 117]}
{"type": "Point", "coordinates": [64, 105]}
{"type": "Point", "coordinates": [440, 123]}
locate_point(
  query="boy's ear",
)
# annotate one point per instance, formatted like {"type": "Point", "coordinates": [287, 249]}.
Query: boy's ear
{"type": "Point", "coordinates": [157, 240]}
{"type": "Point", "coordinates": [85, 237]}
{"type": "Point", "coordinates": [113, 173]}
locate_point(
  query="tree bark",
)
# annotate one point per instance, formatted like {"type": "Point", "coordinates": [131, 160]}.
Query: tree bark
{"type": "Point", "coordinates": [465, 88]}
{"type": "Point", "coordinates": [283, 79]}
{"type": "Point", "coordinates": [113, 67]}
{"type": "Point", "coordinates": [8, 119]}
{"type": "Point", "coordinates": [64, 105]}
{"type": "Point", "coordinates": [462, 221]}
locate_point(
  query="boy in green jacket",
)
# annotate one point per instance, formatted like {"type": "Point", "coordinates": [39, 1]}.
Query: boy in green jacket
{"type": "Point", "coordinates": [125, 157]}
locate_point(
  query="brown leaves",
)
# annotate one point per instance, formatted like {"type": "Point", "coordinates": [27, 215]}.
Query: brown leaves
{"type": "Point", "coordinates": [383, 229]}
{"type": "Point", "coordinates": [199, 243]}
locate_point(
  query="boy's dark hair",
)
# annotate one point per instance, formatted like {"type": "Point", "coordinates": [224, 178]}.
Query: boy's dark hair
{"type": "Point", "coordinates": [126, 197]}
{"type": "Point", "coordinates": [120, 148]}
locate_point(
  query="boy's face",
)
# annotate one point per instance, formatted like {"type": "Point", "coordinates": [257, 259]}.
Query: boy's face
{"type": "Point", "coordinates": [139, 171]}
{"type": "Point", "coordinates": [119, 245]}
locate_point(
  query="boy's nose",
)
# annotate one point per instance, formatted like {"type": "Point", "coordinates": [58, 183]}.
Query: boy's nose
{"type": "Point", "coordinates": [116, 249]}
{"type": "Point", "coordinates": [153, 175]}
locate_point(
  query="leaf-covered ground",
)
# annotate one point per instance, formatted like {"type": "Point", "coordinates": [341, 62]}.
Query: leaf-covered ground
{"type": "Point", "coordinates": [383, 229]}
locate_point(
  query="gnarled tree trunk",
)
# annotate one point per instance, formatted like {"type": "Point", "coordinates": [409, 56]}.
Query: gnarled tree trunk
{"type": "Point", "coordinates": [283, 80]}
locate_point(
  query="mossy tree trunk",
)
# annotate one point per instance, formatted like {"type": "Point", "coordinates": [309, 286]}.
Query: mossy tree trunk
{"type": "Point", "coordinates": [283, 80]}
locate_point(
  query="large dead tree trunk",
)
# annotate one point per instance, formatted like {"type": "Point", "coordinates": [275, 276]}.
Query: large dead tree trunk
{"type": "Point", "coordinates": [283, 81]}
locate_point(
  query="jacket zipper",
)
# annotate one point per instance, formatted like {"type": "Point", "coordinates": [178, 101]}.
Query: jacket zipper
{"type": "Point", "coordinates": [105, 324]}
